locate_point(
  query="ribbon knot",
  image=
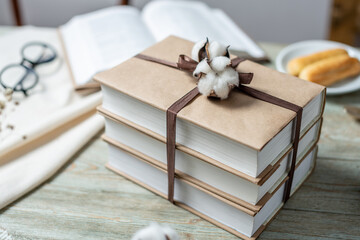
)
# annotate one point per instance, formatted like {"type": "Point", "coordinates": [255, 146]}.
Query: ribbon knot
{"type": "Point", "coordinates": [188, 64]}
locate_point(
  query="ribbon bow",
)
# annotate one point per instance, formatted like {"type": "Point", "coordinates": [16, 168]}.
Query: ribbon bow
{"type": "Point", "coordinates": [188, 64]}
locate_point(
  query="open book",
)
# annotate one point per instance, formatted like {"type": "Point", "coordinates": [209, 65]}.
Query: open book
{"type": "Point", "coordinates": [100, 40]}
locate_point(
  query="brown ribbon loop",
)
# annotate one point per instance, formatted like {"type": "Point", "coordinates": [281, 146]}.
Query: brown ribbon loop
{"type": "Point", "coordinates": [236, 61]}
{"type": "Point", "coordinates": [187, 64]}
{"type": "Point", "coordinates": [245, 78]}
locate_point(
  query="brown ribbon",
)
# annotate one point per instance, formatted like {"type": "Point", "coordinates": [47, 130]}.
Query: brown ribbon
{"type": "Point", "coordinates": [187, 64]}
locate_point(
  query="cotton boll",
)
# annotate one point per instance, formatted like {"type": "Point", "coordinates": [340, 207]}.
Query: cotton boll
{"type": "Point", "coordinates": [216, 49]}
{"type": "Point", "coordinates": [202, 67]}
{"type": "Point", "coordinates": [206, 83]}
{"type": "Point", "coordinates": [230, 76]}
{"type": "Point", "coordinates": [218, 64]}
{"type": "Point", "coordinates": [196, 48]}
{"type": "Point", "coordinates": [221, 88]}
{"type": "Point", "coordinates": [151, 232]}
{"type": "Point", "coordinates": [155, 232]}
{"type": "Point", "coordinates": [172, 235]}
{"type": "Point", "coordinates": [218, 76]}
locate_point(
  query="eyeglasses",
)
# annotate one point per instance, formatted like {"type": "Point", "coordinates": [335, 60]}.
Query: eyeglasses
{"type": "Point", "coordinates": [22, 77]}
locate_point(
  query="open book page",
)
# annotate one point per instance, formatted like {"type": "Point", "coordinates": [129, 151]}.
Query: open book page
{"type": "Point", "coordinates": [233, 35]}
{"type": "Point", "coordinates": [195, 21]}
{"type": "Point", "coordinates": [102, 39]}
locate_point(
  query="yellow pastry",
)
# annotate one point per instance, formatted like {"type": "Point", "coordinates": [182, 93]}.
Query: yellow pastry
{"type": "Point", "coordinates": [331, 70]}
{"type": "Point", "coordinates": [296, 65]}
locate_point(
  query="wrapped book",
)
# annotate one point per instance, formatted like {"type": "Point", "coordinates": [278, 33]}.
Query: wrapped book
{"type": "Point", "coordinates": [233, 156]}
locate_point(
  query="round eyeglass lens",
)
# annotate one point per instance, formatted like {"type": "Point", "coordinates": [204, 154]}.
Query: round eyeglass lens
{"type": "Point", "coordinates": [18, 78]}
{"type": "Point", "coordinates": [38, 53]}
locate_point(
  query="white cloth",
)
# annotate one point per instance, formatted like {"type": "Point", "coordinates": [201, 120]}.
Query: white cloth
{"type": "Point", "coordinates": [52, 104]}
{"type": "Point", "coordinates": [27, 172]}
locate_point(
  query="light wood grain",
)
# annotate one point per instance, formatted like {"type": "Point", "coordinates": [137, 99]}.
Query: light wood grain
{"type": "Point", "coordinates": [340, 136]}
{"type": "Point", "coordinates": [332, 188]}
{"type": "Point", "coordinates": [84, 200]}
{"type": "Point", "coordinates": [297, 224]}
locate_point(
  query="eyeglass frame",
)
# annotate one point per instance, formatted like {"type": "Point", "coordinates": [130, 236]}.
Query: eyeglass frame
{"type": "Point", "coordinates": [29, 66]}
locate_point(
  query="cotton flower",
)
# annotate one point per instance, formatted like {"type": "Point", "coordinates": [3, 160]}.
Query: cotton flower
{"type": "Point", "coordinates": [206, 84]}
{"type": "Point", "coordinates": [196, 48]}
{"type": "Point", "coordinates": [222, 88]}
{"type": "Point", "coordinates": [202, 67]}
{"type": "Point", "coordinates": [156, 232]}
{"type": "Point", "coordinates": [230, 75]}
{"type": "Point", "coordinates": [216, 76]}
{"type": "Point", "coordinates": [218, 64]}
{"type": "Point", "coordinates": [216, 49]}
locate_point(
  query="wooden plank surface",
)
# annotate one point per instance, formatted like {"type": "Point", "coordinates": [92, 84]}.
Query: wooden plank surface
{"type": "Point", "coordinates": [84, 200]}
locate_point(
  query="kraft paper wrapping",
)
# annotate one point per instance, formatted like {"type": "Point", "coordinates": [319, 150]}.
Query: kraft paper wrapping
{"type": "Point", "coordinates": [241, 118]}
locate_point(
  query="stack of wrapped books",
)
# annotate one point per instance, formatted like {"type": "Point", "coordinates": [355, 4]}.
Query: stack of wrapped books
{"type": "Point", "coordinates": [232, 156]}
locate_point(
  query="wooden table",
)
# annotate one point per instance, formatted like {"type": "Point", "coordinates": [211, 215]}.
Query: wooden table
{"type": "Point", "coordinates": [86, 201]}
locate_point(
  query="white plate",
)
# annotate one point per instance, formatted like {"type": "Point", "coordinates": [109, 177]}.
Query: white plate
{"type": "Point", "coordinates": [308, 47]}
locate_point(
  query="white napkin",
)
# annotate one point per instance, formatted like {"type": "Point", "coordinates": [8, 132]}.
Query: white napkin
{"type": "Point", "coordinates": [20, 176]}
{"type": "Point", "coordinates": [51, 104]}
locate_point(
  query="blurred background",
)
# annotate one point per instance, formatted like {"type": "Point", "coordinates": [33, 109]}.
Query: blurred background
{"type": "Point", "coordinates": [281, 21]}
